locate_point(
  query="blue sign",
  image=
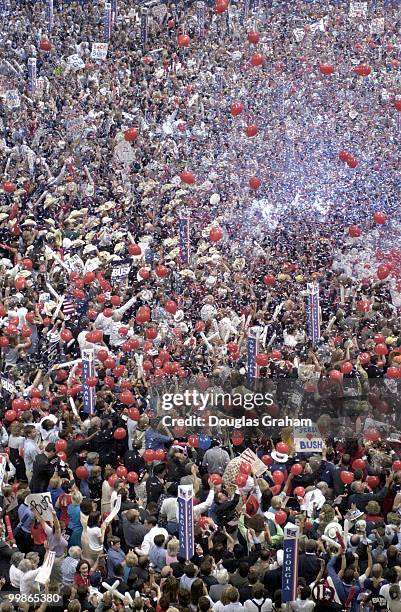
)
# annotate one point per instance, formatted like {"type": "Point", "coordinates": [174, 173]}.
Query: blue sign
{"type": "Point", "coordinates": [253, 349]}
{"type": "Point", "coordinates": [88, 393]}
{"type": "Point", "coordinates": [290, 564]}
{"type": "Point", "coordinates": [144, 27]}
{"type": "Point", "coordinates": [313, 312]}
{"type": "Point", "coordinates": [32, 74]}
{"type": "Point", "coordinates": [107, 22]}
{"type": "Point", "coordinates": [186, 522]}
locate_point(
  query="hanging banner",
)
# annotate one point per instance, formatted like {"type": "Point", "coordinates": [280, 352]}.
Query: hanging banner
{"type": "Point", "coordinates": [32, 74]}
{"type": "Point", "coordinates": [144, 26]}
{"type": "Point", "coordinates": [253, 370]}
{"type": "Point", "coordinates": [50, 14]}
{"type": "Point", "coordinates": [113, 10]}
{"type": "Point", "coordinates": [186, 521]}
{"type": "Point", "coordinates": [184, 239]}
{"type": "Point", "coordinates": [88, 370]}
{"type": "Point", "coordinates": [313, 311]}
{"type": "Point", "coordinates": [107, 22]}
{"type": "Point", "coordinates": [200, 18]}
{"type": "Point", "coordinates": [290, 563]}
{"type": "Point", "coordinates": [244, 12]}
{"type": "Point", "coordinates": [3, 463]}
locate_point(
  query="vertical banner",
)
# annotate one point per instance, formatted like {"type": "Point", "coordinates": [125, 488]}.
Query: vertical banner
{"type": "Point", "coordinates": [290, 563]}
{"type": "Point", "coordinates": [32, 74]}
{"type": "Point", "coordinates": [244, 12]}
{"type": "Point", "coordinates": [3, 8]}
{"type": "Point", "coordinates": [200, 18]}
{"type": "Point", "coordinates": [186, 521]}
{"type": "Point", "coordinates": [107, 22]}
{"type": "Point", "coordinates": [88, 370]}
{"type": "Point", "coordinates": [114, 10]}
{"type": "Point", "coordinates": [50, 14]}
{"type": "Point", "coordinates": [398, 122]}
{"type": "Point", "coordinates": [144, 26]}
{"type": "Point", "coordinates": [185, 247]}
{"type": "Point", "coordinates": [313, 311]}
{"type": "Point", "coordinates": [253, 370]}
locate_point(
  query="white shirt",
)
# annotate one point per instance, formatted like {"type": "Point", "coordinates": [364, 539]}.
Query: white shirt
{"type": "Point", "coordinates": [84, 344]}
{"type": "Point", "coordinates": [28, 584]}
{"type": "Point", "coordinates": [106, 323]}
{"type": "Point", "coordinates": [93, 538]}
{"type": "Point", "coordinates": [266, 604]}
{"type": "Point", "coordinates": [15, 577]}
{"type": "Point", "coordinates": [148, 540]}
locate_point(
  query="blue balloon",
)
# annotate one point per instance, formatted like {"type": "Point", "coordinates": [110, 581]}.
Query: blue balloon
{"type": "Point", "coordinates": [204, 442]}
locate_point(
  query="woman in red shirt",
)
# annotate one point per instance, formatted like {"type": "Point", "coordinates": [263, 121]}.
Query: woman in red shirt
{"type": "Point", "coordinates": [82, 575]}
{"type": "Point", "coordinates": [63, 501]}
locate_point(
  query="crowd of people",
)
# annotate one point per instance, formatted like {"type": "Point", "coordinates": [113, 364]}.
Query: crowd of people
{"type": "Point", "coordinates": [170, 191]}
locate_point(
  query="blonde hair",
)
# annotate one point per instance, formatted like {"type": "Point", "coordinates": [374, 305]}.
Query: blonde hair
{"type": "Point", "coordinates": [172, 547]}
{"type": "Point", "coordinates": [55, 482]}
{"type": "Point", "coordinates": [76, 497]}
{"type": "Point", "coordinates": [276, 502]}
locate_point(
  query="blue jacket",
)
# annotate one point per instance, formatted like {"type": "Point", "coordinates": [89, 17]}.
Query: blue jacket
{"type": "Point", "coordinates": [342, 588]}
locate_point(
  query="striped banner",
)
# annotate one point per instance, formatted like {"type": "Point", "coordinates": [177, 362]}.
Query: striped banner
{"type": "Point", "coordinates": [144, 27]}
{"type": "Point", "coordinates": [290, 563]}
{"type": "Point", "coordinates": [186, 521]}
{"type": "Point", "coordinates": [245, 12]}
{"type": "Point", "coordinates": [313, 311]}
{"type": "Point", "coordinates": [253, 370]}
{"type": "Point", "coordinates": [200, 18]}
{"type": "Point", "coordinates": [89, 395]}
{"type": "Point", "coordinates": [32, 74]}
{"type": "Point", "coordinates": [50, 15]}
{"type": "Point", "coordinates": [107, 22]}
{"type": "Point", "coordinates": [184, 238]}
{"type": "Point", "coordinates": [114, 10]}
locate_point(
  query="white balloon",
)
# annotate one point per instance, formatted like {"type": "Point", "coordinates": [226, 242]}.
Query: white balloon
{"type": "Point", "coordinates": [214, 199]}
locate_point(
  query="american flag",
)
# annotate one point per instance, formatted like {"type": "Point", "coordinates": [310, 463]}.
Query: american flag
{"type": "Point", "coordinates": [69, 307]}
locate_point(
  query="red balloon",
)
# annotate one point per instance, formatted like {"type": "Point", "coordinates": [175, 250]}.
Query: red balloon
{"type": "Point", "coordinates": [134, 344]}
{"type": "Point", "coordinates": [383, 271]}
{"type": "Point", "coordinates": [161, 271]}
{"type": "Point", "coordinates": [352, 162]}
{"type": "Point", "coordinates": [363, 70]}
{"type": "Point", "coordinates": [148, 455]}
{"type": "Point", "coordinates": [132, 477]}
{"type": "Point", "coordinates": [10, 415]}
{"type": "Point", "coordinates": [245, 468]}
{"type": "Point", "coordinates": [66, 335]}
{"type": "Point", "coordinates": [379, 218]}
{"type": "Point", "coordinates": [26, 331]}
{"type": "Point", "coordinates": [254, 182]}
{"type": "Point", "coordinates": [91, 381]}
{"type": "Point", "coordinates": [269, 279]}
{"type": "Point", "coordinates": [131, 134]}
{"type": "Point", "coordinates": [118, 371]}
{"type": "Point", "coordinates": [262, 359]}
{"type": "Point", "coordinates": [120, 433]}
{"type": "Point", "coordinates": [143, 273]}
{"type": "Point", "coordinates": [346, 368]}
{"type": "Point", "coordinates": [102, 355]}
{"type": "Point", "coordinates": [88, 278]}
{"type": "Point", "coordinates": [257, 59]}
{"type": "Point", "coordinates": [147, 365]}
{"type": "Point", "coordinates": [358, 464]}
{"type": "Point", "coordinates": [123, 331]}
{"type": "Point", "coordinates": [282, 448]}
{"type": "Point", "coordinates": [187, 177]}
{"type": "Point", "coordinates": [381, 349]}
{"type": "Point", "coordinates": [45, 45]}
{"type": "Point", "coordinates": [91, 314]}
{"type": "Point", "coordinates": [133, 414]}
{"type": "Point", "coordinates": [241, 480]}
{"type": "Point", "coordinates": [251, 130]}
{"type": "Point", "coordinates": [354, 231]}
{"type": "Point", "coordinates": [20, 283]}
{"type": "Point", "coordinates": [297, 469]}
{"type": "Point", "coordinates": [4, 341]}
{"type": "Point", "coordinates": [115, 300]}
{"type": "Point", "coordinates": [121, 471]}
{"type": "Point", "coordinates": [299, 492]}
{"type": "Point", "coordinates": [236, 108]}
{"type": "Point", "coordinates": [267, 460]}
{"type": "Point", "coordinates": [220, 6]}
{"type": "Point", "coordinates": [134, 249]}
{"type": "Point", "coordinates": [171, 24]}
{"type": "Point", "coordinates": [170, 306]}
{"type": "Point", "coordinates": [216, 479]}
{"type": "Point", "coordinates": [109, 381]}
{"type": "Point", "coordinates": [326, 69]}
{"type": "Point", "coordinates": [27, 264]}
{"type": "Point", "coordinates": [253, 37]}
{"type": "Point", "coordinates": [216, 234]}
{"type": "Point", "coordinates": [372, 481]}
{"type": "Point", "coordinates": [193, 441]}
{"type": "Point", "coordinates": [397, 104]}
{"type": "Point", "coordinates": [276, 355]}
{"type": "Point", "coordinates": [183, 40]}
{"type": "Point", "coordinates": [371, 434]}
{"type": "Point", "coordinates": [61, 446]}
{"type": "Point", "coordinates": [278, 477]}
{"type": "Point", "coordinates": [112, 480]}
{"type": "Point", "coordinates": [36, 402]}
{"type": "Point", "coordinates": [346, 477]}
{"type": "Point", "coordinates": [81, 472]}
{"type": "Point", "coordinates": [35, 392]}
{"type": "Point", "coordinates": [11, 330]}
{"type": "Point", "coordinates": [397, 466]}
{"type": "Point", "coordinates": [280, 517]}
{"type": "Point", "coordinates": [393, 372]}
{"type": "Point", "coordinates": [9, 187]}
{"type": "Point", "coordinates": [126, 397]}
{"type": "Point", "coordinates": [335, 375]}
{"type": "Point", "coordinates": [109, 363]}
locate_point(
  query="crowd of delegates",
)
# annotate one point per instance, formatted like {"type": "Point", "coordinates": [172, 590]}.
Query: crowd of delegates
{"type": "Point", "coordinates": [277, 134]}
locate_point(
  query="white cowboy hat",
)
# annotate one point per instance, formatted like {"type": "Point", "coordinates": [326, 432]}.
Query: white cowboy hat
{"type": "Point", "coordinates": [279, 457]}
{"type": "Point", "coordinates": [332, 529]}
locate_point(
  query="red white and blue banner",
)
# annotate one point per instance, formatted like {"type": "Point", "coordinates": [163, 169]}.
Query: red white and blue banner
{"type": "Point", "coordinates": [88, 393]}
{"type": "Point", "coordinates": [107, 22]}
{"type": "Point", "coordinates": [244, 12]}
{"type": "Point", "coordinates": [186, 521]}
{"type": "Point", "coordinates": [200, 18]}
{"type": "Point", "coordinates": [114, 10]}
{"type": "Point", "coordinates": [253, 370]}
{"type": "Point", "coordinates": [50, 15]}
{"type": "Point", "coordinates": [290, 563]}
{"type": "Point", "coordinates": [185, 246]}
{"type": "Point", "coordinates": [313, 311]}
{"type": "Point", "coordinates": [32, 74]}
{"type": "Point", "coordinates": [144, 27]}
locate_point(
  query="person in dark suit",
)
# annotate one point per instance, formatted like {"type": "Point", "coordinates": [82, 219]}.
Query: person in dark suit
{"type": "Point", "coordinates": [43, 469]}
{"type": "Point", "coordinates": [309, 562]}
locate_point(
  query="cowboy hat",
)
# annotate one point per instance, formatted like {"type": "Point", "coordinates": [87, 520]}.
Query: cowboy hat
{"type": "Point", "coordinates": [332, 529]}
{"type": "Point", "coordinates": [279, 457]}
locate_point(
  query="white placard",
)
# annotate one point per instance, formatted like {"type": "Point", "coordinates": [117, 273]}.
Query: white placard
{"type": "Point", "coordinates": [75, 62]}
{"type": "Point", "coordinates": [377, 25]}
{"type": "Point", "coordinates": [114, 512]}
{"type": "Point", "coordinates": [92, 264]}
{"type": "Point", "coordinates": [46, 569]}
{"type": "Point", "coordinates": [75, 264]}
{"type": "Point", "coordinates": [308, 439]}
{"type": "Point", "coordinates": [12, 99]}
{"type": "Point", "coordinates": [258, 467]}
{"type": "Point", "coordinates": [99, 51]}
{"type": "Point", "coordinates": [7, 385]}
{"type": "Point", "coordinates": [358, 9]}
{"type": "Point", "coordinates": [124, 152]}
{"type": "Point", "coordinates": [299, 34]}
{"type": "Point", "coordinates": [42, 503]}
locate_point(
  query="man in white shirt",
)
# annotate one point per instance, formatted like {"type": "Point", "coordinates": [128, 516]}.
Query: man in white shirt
{"type": "Point", "coordinates": [106, 323]}
{"type": "Point", "coordinates": [28, 575]}
{"type": "Point", "coordinates": [15, 573]}
{"type": "Point", "coordinates": [148, 540]}
{"type": "Point", "coordinates": [31, 449]}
